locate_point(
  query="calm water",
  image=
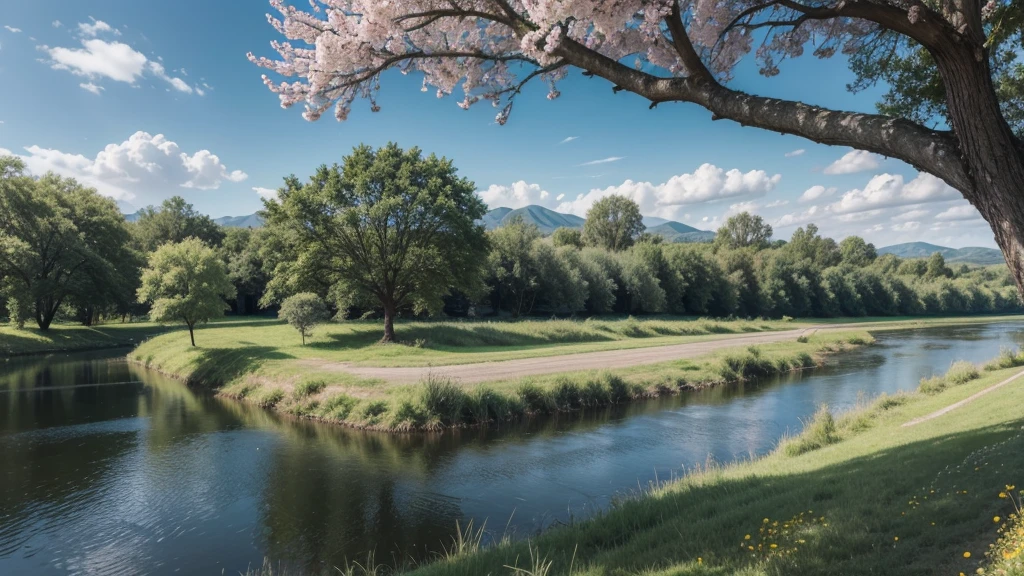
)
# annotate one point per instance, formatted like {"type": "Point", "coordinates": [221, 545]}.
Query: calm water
{"type": "Point", "coordinates": [110, 469]}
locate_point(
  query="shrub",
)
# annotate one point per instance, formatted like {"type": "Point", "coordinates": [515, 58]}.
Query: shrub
{"type": "Point", "coordinates": [618, 390]}
{"type": "Point", "coordinates": [567, 395]}
{"type": "Point", "coordinates": [443, 400]}
{"type": "Point", "coordinates": [337, 407]}
{"type": "Point", "coordinates": [308, 388]}
{"type": "Point", "coordinates": [932, 385]}
{"type": "Point", "coordinates": [962, 372]}
{"type": "Point", "coordinates": [818, 432]}
{"type": "Point", "coordinates": [374, 409]}
{"type": "Point", "coordinates": [1007, 359]}
{"type": "Point", "coordinates": [267, 397]}
{"type": "Point", "coordinates": [303, 311]}
{"type": "Point", "coordinates": [535, 399]}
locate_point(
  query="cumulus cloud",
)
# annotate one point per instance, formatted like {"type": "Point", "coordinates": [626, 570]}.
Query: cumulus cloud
{"type": "Point", "coordinates": [964, 212]}
{"type": "Point", "coordinates": [95, 28]}
{"type": "Point", "coordinates": [797, 218]}
{"type": "Point", "coordinates": [12, 29]}
{"type": "Point", "coordinates": [740, 207]}
{"type": "Point", "coordinates": [518, 195]}
{"type": "Point", "coordinates": [797, 152]}
{"type": "Point", "coordinates": [56, 24]}
{"type": "Point", "coordinates": [100, 59]}
{"type": "Point", "coordinates": [854, 161]}
{"type": "Point", "coordinates": [815, 192]}
{"type": "Point", "coordinates": [776, 203]}
{"type": "Point", "coordinates": [910, 215]}
{"type": "Point", "coordinates": [886, 190]}
{"type": "Point", "coordinates": [90, 87]}
{"type": "Point", "coordinates": [603, 161]}
{"type": "Point", "coordinates": [143, 163]}
{"type": "Point", "coordinates": [569, 139]}
{"type": "Point", "coordinates": [708, 183]}
{"type": "Point", "coordinates": [906, 226]}
{"type": "Point", "coordinates": [267, 193]}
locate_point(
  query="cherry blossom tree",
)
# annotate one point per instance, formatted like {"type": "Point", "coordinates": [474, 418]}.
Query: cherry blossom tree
{"type": "Point", "coordinates": [952, 63]}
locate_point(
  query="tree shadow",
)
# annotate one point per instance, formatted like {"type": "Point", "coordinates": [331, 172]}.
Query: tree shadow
{"type": "Point", "coordinates": [215, 367]}
{"type": "Point", "coordinates": [465, 337]}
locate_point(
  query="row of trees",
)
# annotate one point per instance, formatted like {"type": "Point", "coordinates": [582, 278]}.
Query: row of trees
{"type": "Point", "coordinates": [392, 232]}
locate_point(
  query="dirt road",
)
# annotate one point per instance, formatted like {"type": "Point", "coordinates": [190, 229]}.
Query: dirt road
{"type": "Point", "coordinates": [608, 359]}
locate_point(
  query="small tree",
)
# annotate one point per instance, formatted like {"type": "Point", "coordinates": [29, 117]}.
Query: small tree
{"type": "Point", "coordinates": [186, 282]}
{"type": "Point", "coordinates": [303, 311]}
{"type": "Point", "coordinates": [613, 223]}
{"type": "Point", "coordinates": [567, 237]}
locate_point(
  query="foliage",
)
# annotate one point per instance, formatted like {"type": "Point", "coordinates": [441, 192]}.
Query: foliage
{"type": "Point", "coordinates": [387, 228]}
{"type": "Point", "coordinates": [567, 237]}
{"type": "Point", "coordinates": [613, 223]}
{"type": "Point", "coordinates": [241, 252]}
{"type": "Point", "coordinates": [744, 230]}
{"type": "Point", "coordinates": [61, 244]}
{"type": "Point", "coordinates": [303, 311]}
{"type": "Point", "coordinates": [186, 282]}
{"type": "Point", "coordinates": [173, 221]}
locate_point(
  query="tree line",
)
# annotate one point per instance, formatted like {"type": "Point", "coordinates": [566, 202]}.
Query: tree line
{"type": "Point", "coordinates": [391, 232]}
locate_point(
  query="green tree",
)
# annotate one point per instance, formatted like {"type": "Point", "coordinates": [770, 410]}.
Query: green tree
{"type": "Point", "coordinates": [60, 243]}
{"type": "Point", "coordinates": [937, 267]}
{"type": "Point", "coordinates": [567, 237]}
{"type": "Point", "coordinates": [186, 282]}
{"type": "Point", "coordinates": [742, 231]}
{"type": "Point", "coordinates": [856, 252]}
{"type": "Point", "coordinates": [388, 228]}
{"type": "Point", "coordinates": [242, 253]}
{"type": "Point", "coordinates": [173, 221]}
{"type": "Point", "coordinates": [511, 269]}
{"type": "Point", "coordinates": [613, 223]}
{"type": "Point", "coordinates": [303, 311]}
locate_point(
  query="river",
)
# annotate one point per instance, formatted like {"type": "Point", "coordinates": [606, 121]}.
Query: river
{"type": "Point", "coordinates": [112, 469]}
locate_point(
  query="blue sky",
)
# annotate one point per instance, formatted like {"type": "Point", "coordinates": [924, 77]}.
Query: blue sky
{"type": "Point", "coordinates": [115, 92]}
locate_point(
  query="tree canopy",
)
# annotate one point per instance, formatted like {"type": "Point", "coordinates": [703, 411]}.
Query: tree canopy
{"type": "Point", "coordinates": [303, 311]}
{"type": "Point", "coordinates": [173, 221]}
{"type": "Point", "coordinates": [60, 244]}
{"type": "Point", "coordinates": [744, 230]}
{"type": "Point", "coordinates": [613, 222]}
{"type": "Point", "coordinates": [953, 70]}
{"type": "Point", "coordinates": [186, 282]}
{"type": "Point", "coordinates": [387, 228]}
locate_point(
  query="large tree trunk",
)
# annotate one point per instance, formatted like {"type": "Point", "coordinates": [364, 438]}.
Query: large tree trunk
{"type": "Point", "coordinates": [389, 322]}
{"type": "Point", "coordinates": [992, 156]}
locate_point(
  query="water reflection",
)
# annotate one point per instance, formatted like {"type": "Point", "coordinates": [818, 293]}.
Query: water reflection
{"type": "Point", "coordinates": [112, 469]}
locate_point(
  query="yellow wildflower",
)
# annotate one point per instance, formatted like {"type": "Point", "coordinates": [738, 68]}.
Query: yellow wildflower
{"type": "Point", "coordinates": [967, 554]}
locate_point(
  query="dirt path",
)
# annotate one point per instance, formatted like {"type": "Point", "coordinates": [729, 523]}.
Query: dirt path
{"type": "Point", "coordinates": [512, 369]}
{"type": "Point", "coordinates": [963, 402]}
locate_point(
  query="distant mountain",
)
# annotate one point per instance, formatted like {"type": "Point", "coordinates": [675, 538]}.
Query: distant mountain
{"type": "Point", "coordinates": [131, 217]}
{"type": "Point", "coordinates": [250, 221]}
{"type": "Point", "coordinates": [969, 255]}
{"type": "Point", "coordinates": [548, 221]}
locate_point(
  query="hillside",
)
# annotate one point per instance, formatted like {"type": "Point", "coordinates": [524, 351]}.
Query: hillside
{"type": "Point", "coordinates": [969, 255]}
{"type": "Point", "coordinates": [250, 221]}
{"type": "Point", "coordinates": [548, 221]}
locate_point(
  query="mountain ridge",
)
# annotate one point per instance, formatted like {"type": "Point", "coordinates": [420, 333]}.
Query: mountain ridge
{"type": "Point", "coordinates": [967, 255]}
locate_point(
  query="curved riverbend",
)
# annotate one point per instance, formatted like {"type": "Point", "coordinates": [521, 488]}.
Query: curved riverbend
{"type": "Point", "coordinates": [110, 468]}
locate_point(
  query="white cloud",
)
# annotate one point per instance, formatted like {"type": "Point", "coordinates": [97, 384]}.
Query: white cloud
{"type": "Point", "coordinates": [99, 58]}
{"type": "Point", "coordinates": [12, 29]}
{"type": "Point", "coordinates": [158, 70]}
{"type": "Point", "coordinates": [906, 226]}
{"type": "Point", "coordinates": [603, 161]}
{"type": "Point", "coordinates": [854, 161]}
{"type": "Point", "coordinates": [885, 190]}
{"type": "Point", "coordinates": [56, 23]}
{"type": "Point", "coordinates": [910, 215]}
{"type": "Point", "coordinates": [144, 163]}
{"type": "Point", "coordinates": [708, 183]}
{"type": "Point", "coordinates": [569, 139]}
{"type": "Point", "coordinates": [797, 152]}
{"type": "Point", "coordinates": [796, 218]}
{"type": "Point", "coordinates": [776, 203]}
{"type": "Point", "coordinates": [268, 193]}
{"type": "Point", "coordinates": [740, 207]}
{"type": "Point", "coordinates": [517, 195]}
{"type": "Point", "coordinates": [815, 192]}
{"type": "Point", "coordinates": [95, 28]}
{"type": "Point", "coordinates": [964, 212]}
{"type": "Point", "coordinates": [89, 86]}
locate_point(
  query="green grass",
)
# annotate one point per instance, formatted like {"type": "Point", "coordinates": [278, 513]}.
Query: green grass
{"type": "Point", "coordinates": [875, 498]}
{"type": "Point", "coordinates": [65, 338]}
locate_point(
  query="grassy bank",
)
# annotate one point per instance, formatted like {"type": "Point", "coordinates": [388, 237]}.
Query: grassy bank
{"type": "Point", "coordinates": [71, 338]}
{"type": "Point", "coordinates": [439, 403]}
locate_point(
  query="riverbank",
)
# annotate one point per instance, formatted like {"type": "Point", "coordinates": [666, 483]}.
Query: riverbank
{"type": "Point", "coordinates": [74, 338]}
{"type": "Point", "coordinates": [858, 493]}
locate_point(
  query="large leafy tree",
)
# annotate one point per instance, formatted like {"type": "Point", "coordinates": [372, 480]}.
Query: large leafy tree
{"type": "Point", "coordinates": [186, 282]}
{"type": "Point", "coordinates": [60, 243]}
{"type": "Point", "coordinates": [954, 107]}
{"type": "Point", "coordinates": [173, 221]}
{"type": "Point", "coordinates": [388, 228]}
{"type": "Point", "coordinates": [745, 230]}
{"type": "Point", "coordinates": [613, 223]}
{"type": "Point", "coordinates": [241, 253]}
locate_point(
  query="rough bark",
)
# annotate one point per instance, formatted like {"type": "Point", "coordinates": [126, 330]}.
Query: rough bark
{"type": "Point", "coordinates": [389, 322]}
